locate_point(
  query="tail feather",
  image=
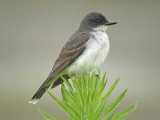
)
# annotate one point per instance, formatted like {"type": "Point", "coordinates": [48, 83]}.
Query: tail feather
{"type": "Point", "coordinates": [59, 81]}
{"type": "Point", "coordinates": [38, 94]}
{"type": "Point", "coordinates": [33, 101]}
{"type": "Point", "coordinates": [45, 86]}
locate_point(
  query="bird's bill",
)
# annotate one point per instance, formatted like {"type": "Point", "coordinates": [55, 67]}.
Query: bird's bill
{"type": "Point", "coordinates": [110, 23]}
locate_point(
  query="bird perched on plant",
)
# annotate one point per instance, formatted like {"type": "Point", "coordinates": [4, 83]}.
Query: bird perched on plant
{"type": "Point", "coordinates": [85, 51]}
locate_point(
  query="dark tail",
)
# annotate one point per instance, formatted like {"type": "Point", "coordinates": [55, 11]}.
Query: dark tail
{"type": "Point", "coordinates": [39, 93]}
{"type": "Point", "coordinates": [59, 81]}
{"type": "Point", "coordinates": [43, 89]}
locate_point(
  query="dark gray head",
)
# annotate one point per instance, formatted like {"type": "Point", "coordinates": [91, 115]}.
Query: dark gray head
{"type": "Point", "coordinates": [95, 22]}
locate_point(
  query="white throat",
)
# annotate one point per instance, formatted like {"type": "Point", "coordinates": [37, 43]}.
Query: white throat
{"type": "Point", "coordinates": [100, 28]}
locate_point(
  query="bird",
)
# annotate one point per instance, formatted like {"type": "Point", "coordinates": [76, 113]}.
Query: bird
{"type": "Point", "coordinates": [85, 51]}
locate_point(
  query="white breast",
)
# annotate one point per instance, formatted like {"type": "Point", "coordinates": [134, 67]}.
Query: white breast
{"type": "Point", "coordinates": [93, 56]}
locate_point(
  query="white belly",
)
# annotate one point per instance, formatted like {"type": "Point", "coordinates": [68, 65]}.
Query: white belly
{"type": "Point", "coordinates": [93, 56]}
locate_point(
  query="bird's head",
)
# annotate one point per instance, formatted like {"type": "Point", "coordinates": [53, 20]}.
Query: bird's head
{"type": "Point", "coordinates": [95, 22]}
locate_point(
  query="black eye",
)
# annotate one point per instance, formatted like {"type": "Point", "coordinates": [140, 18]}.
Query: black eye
{"type": "Point", "coordinates": [98, 21]}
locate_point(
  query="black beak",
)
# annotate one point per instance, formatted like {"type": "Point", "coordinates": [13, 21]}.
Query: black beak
{"type": "Point", "coordinates": [110, 23]}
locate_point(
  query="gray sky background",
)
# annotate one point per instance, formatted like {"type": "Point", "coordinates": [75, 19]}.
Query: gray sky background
{"type": "Point", "coordinates": [32, 34]}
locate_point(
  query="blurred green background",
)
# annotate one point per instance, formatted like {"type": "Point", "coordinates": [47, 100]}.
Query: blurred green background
{"type": "Point", "coordinates": [32, 33]}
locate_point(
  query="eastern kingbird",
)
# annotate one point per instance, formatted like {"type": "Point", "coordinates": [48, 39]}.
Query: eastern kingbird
{"type": "Point", "coordinates": [86, 50]}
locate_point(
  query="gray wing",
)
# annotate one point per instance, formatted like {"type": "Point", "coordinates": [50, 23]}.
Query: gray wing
{"type": "Point", "coordinates": [70, 52]}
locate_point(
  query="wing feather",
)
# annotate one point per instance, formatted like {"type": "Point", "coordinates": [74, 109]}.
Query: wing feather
{"type": "Point", "coordinates": [70, 52]}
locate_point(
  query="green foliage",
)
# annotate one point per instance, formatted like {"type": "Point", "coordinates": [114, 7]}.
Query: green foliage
{"type": "Point", "coordinates": [45, 115]}
{"type": "Point", "coordinates": [84, 101]}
